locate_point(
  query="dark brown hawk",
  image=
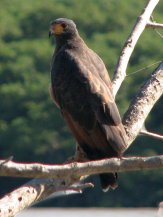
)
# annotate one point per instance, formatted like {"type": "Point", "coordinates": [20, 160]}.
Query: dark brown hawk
{"type": "Point", "coordinates": [81, 88]}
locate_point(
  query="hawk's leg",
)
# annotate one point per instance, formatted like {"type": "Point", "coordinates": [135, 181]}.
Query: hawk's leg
{"type": "Point", "coordinates": [79, 156]}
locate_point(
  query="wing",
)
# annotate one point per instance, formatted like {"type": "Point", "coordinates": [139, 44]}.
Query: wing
{"type": "Point", "coordinates": [102, 100]}
{"type": "Point", "coordinates": [92, 75]}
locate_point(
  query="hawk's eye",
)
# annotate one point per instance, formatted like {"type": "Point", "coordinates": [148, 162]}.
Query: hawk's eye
{"type": "Point", "coordinates": [63, 25]}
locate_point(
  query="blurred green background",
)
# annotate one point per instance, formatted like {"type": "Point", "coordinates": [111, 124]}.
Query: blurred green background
{"type": "Point", "coordinates": [31, 127]}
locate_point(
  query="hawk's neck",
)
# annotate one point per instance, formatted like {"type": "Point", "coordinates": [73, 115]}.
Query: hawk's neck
{"type": "Point", "coordinates": [70, 43]}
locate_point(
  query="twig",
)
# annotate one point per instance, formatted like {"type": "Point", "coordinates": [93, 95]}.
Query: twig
{"type": "Point", "coordinates": [150, 134]}
{"type": "Point", "coordinates": [142, 104]}
{"type": "Point", "coordinates": [142, 20]}
{"type": "Point", "coordinates": [154, 25]}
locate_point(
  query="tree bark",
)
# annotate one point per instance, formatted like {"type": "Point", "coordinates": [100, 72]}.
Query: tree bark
{"type": "Point", "coordinates": [142, 21]}
{"type": "Point", "coordinates": [65, 176]}
{"type": "Point", "coordinates": [142, 104]}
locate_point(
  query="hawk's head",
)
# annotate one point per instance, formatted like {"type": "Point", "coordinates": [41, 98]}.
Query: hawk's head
{"type": "Point", "coordinates": [62, 26]}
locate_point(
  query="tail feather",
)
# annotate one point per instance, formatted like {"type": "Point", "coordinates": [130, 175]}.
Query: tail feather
{"type": "Point", "coordinates": [108, 180]}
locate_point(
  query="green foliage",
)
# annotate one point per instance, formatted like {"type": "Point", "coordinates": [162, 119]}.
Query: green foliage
{"type": "Point", "coordinates": [31, 127]}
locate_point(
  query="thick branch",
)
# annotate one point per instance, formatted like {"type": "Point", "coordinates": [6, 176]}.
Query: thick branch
{"type": "Point", "coordinates": [34, 191]}
{"type": "Point", "coordinates": [142, 20]}
{"type": "Point", "coordinates": [31, 192]}
{"type": "Point", "coordinates": [65, 176]}
{"type": "Point", "coordinates": [39, 189]}
{"type": "Point", "coordinates": [74, 170]}
{"type": "Point", "coordinates": [142, 104]}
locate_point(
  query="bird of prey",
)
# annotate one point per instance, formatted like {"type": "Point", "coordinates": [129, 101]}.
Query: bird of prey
{"type": "Point", "coordinates": [81, 88]}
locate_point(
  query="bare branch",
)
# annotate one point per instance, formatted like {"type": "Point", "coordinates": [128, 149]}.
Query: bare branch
{"type": "Point", "coordinates": [31, 192]}
{"type": "Point", "coordinates": [40, 189]}
{"type": "Point", "coordinates": [37, 190]}
{"type": "Point", "coordinates": [154, 25]}
{"type": "Point", "coordinates": [142, 104]}
{"type": "Point", "coordinates": [142, 20]}
{"type": "Point", "coordinates": [74, 171]}
{"type": "Point", "coordinates": [150, 134]}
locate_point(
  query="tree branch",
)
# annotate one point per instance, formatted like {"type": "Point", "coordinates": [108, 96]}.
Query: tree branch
{"type": "Point", "coordinates": [142, 104]}
{"type": "Point", "coordinates": [150, 134]}
{"type": "Point", "coordinates": [154, 25]}
{"type": "Point", "coordinates": [26, 195]}
{"type": "Point", "coordinates": [76, 170]}
{"type": "Point", "coordinates": [142, 20]}
{"type": "Point", "coordinates": [63, 178]}
{"type": "Point", "coordinates": [34, 191]}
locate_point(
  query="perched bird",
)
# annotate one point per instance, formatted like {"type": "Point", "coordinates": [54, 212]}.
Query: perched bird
{"type": "Point", "coordinates": [81, 88]}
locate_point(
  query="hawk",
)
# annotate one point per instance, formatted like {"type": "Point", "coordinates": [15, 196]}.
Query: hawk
{"type": "Point", "coordinates": [81, 88]}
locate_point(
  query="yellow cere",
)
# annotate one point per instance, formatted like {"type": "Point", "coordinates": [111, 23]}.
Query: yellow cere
{"type": "Point", "coordinates": [58, 29]}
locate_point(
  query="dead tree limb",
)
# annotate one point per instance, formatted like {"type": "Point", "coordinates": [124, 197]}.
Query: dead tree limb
{"type": "Point", "coordinates": [142, 104]}
{"type": "Point", "coordinates": [142, 20]}
{"type": "Point", "coordinates": [76, 170]}
{"type": "Point", "coordinates": [26, 195]}
{"type": "Point", "coordinates": [63, 177]}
